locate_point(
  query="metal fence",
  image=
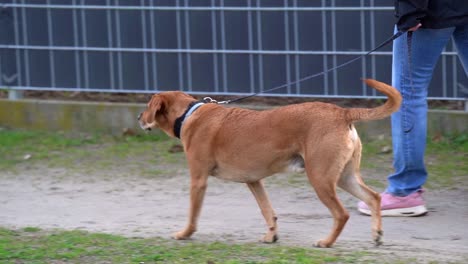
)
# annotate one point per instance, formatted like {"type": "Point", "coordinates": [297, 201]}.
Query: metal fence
{"type": "Point", "coordinates": [231, 47]}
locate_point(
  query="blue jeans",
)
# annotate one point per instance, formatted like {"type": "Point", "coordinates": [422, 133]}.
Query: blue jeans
{"type": "Point", "coordinates": [409, 124]}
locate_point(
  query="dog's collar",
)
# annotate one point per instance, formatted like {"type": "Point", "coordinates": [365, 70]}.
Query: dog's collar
{"type": "Point", "coordinates": [180, 120]}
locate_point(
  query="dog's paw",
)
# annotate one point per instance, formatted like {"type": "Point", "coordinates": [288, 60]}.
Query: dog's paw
{"type": "Point", "coordinates": [323, 244]}
{"type": "Point", "coordinates": [269, 238]}
{"type": "Point", "coordinates": [378, 238]}
{"type": "Point", "coordinates": [180, 236]}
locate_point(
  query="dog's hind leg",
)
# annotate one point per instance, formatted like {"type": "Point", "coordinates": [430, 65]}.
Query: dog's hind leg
{"type": "Point", "coordinates": [324, 165]}
{"type": "Point", "coordinates": [261, 196]}
{"type": "Point", "coordinates": [352, 182]}
{"type": "Point", "coordinates": [323, 177]}
{"type": "Point", "coordinates": [327, 194]}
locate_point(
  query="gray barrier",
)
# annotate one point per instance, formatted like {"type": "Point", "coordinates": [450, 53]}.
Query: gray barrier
{"type": "Point", "coordinates": [229, 47]}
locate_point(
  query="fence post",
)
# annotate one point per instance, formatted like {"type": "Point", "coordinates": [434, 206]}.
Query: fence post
{"type": "Point", "coordinates": [15, 94]}
{"type": "Point", "coordinates": [8, 70]}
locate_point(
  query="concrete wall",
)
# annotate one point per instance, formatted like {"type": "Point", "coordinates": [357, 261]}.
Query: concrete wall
{"type": "Point", "coordinates": [69, 116]}
{"type": "Point", "coordinates": [113, 118]}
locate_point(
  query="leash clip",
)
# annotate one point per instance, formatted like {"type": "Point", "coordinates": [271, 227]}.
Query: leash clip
{"type": "Point", "coordinates": [210, 100]}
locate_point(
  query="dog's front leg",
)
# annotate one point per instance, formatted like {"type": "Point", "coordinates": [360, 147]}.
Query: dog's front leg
{"type": "Point", "coordinates": [267, 211]}
{"type": "Point", "coordinates": [197, 192]}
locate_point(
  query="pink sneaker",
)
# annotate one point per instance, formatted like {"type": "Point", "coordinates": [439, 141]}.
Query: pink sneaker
{"type": "Point", "coordinates": [411, 205]}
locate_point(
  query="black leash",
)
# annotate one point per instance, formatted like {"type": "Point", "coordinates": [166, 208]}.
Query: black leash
{"type": "Point", "coordinates": [386, 42]}
{"type": "Point", "coordinates": [195, 104]}
{"type": "Point", "coordinates": [408, 96]}
{"type": "Point", "coordinates": [409, 38]}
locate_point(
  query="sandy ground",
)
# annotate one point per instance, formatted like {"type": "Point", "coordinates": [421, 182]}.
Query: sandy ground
{"type": "Point", "coordinates": [114, 202]}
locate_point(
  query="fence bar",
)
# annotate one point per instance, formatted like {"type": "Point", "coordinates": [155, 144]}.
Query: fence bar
{"type": "Point", "coordinates": [444, 76]}
{"type": "Point", "coordinates": [179, 46]}
{"type": "Point", "coordinates": [214, 42]}
{"type": "Point", "coordinates": [464, 90]}
{"type": "Point", "coordinates": [84, 35]}
{"type": "Point", "coordinates": [154, 42]}
{"type": "Point", "coordinates": [180, 50]}
{"type": "Point", "coordinates": [251, 46]}
{"type": "Point", "coordinates": [188, 56]}
{"type": "Point", "coordinates": [286, 46]}
{"type": "Point", "coordinates": [76, 43]}
{"type": "Point", "coordinates": [17, 51]}
{"type": "Point", "coordinates": [326, 83]}
{"type": "Point", "coordinates": [334, 58]}
{"type": "Point", "coordinates": [145, 45]}
{"type": "Point", "coordinates": [223, 46]}
{"type": "Point", "coordinates": [2, 75]}
{"type": "Point", "coordinates": [260, 46]}
{"type": "Point", "coordinates": [373, 42]}
{"type": "Point", "coordinates": [110, 44]}
{"type": "Point", "coordinates": [25, 52]}
{"type": "Point", "coordinates": [363, 47]}
{"type": "Point", "coordinates": [297, 58]}
{"type": "Point", "coordinates": [119, 44]}
{"type": "Point", "coordinates": [16, 94]}
{"type": "Point", "coordinates": [51, 43]}
{"type": "Point", "coordinates": [258, 8]}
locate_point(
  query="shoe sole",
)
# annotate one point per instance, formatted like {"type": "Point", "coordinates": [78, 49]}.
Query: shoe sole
{"type": "Point", "coordinates": [411, 211]}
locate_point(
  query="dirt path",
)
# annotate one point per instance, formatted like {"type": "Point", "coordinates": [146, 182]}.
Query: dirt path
{"type": "Point", "coordinates": [113, 202]}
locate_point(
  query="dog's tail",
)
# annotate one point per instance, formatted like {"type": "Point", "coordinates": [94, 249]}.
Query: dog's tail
{"type": "Point", "coordinates": [391, 105]}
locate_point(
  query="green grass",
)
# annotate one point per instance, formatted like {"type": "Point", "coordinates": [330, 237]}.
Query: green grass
{"type": "Point", "coordinates": [445, 160]}
{"type": "Point", "coordinates": [79, 152]}
{"type": "Point", "coordinates": [148, 155]}
{"type": "Point", "coordinates": [21, 146]}
{"type": "Point", "coordinates": [31, 229]}
{"type": "Point", "coordinates": [20, 246]}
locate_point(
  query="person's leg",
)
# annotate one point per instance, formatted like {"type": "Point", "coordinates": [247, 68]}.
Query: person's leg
{"type": "Point", "coordinates": [460, 37]}
{"type": "Point", "coordinates": [409, 124]}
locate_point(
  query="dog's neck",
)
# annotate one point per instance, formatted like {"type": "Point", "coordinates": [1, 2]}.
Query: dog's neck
{"type": "Point", "coordinates": [178, 123]}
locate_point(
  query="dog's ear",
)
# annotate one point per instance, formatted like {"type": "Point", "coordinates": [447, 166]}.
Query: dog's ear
{"type": "Point", "coordinates": [155, 106]}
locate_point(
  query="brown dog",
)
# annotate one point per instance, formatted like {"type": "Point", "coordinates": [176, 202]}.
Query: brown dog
{"type": "Point", "coordinates": [246, 146]}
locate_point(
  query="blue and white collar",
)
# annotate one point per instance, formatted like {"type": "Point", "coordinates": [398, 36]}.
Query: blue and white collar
{"type": "Point", "coordinates": [181, 119]}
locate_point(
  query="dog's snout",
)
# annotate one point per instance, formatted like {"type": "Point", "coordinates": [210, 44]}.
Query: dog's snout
{"type": "Point", "coordinates": [139, 116]}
